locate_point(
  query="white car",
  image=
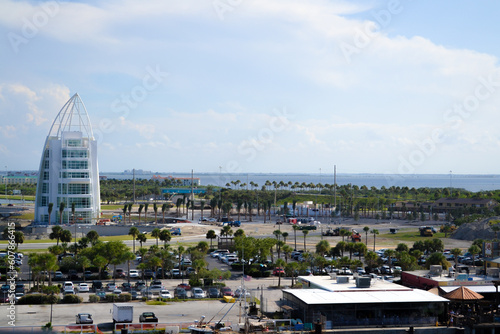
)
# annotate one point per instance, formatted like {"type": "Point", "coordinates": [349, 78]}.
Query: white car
{"type": "Point", "coordinates": [133, 273]}
{"type": "Point", "coordinates": [198, 293]}
{"type": "Point", "coordinates": [68, 285]}
{"type": "Point", "coordinates": [83, 287]}
{"type": "Point", "coordinates": [165, 294]}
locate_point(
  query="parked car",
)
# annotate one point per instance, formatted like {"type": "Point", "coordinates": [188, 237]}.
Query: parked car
{"type": "Point", "coordinates": [148, 274]}
{"type": "Point", "coordinates": [213, 293]}
{"type": "Point", "coordinates": [101, 294]}
{"type": "Point", "coordinates": [148, 317]}
{"type": "Point", "coordinates": [139, 285]}
{"type": "Point", "coordinates": [198, 293]}
{"type": "Point", "coordinates": [165, 294]}
{"type": "Point", "coordinates": [19, 287]}
{"type": "Point", "coordinates": [88, 274]}
{"type": "Point", "coordinates": [111, 286]}
{"type": "Point", "coordinates": [73, 274]}
{"type": "Point", "coordinates": [126, 286]}
{"type": "Point", "coordinates": [278, 271]}
{"type": "Point", "coordinates": [96, 285]}
{"type": "Point", "coordinates": [180, 293]}
{"type": "Point", "coordinates": [226, 291]}
{"type": "Point", "coordinates": [239, 292]}
{"type": "Point", "coordinates": [120, 273]}
{"type": "Point", "coordinates": [176, 273]}
{"type": "Point", "coordinates": [19, 295]}
{"type": "Point", "coordinates": [68, 284]}
{"type": "Point", "coordinates": [134, 294]}
{"type": "Point", "coordinates": [58, 275]}
{"type": "Point", "coordinates": [84, 318]}
{"type": "Point", "coordinates": [184, 286]}
{"type": "Point", "coordinates": [83, 287]}
{"type": "Point", "coordinates": [133, 273]}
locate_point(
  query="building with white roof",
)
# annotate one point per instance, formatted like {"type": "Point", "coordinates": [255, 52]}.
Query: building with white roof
{"type": "Point", "coordinates": [68, 169]}
{"type": "Point", "coordinates": [348, 301]}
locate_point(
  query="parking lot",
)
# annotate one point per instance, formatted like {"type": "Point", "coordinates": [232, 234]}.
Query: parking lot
{"type": "Point", "coordinates": [181, 311]}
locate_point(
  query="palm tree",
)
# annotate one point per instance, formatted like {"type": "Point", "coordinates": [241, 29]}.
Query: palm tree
{"type": "Point", "coordinates": [322, 247]}
{"type": "Point", "coordinates": [295, 228]}
{"type": "Point", "coordinates": [305, 232]}
{"type": "Point", "coordinates": [142, 238]}
{"type": "Point", "coordinates": [56, 233]}
{"type": "Point", "coordinates": [129, 208]}
{"type": "Point", "coordinates": [164, 208]}
{"type": "Point", "coordinates": [280, 263]}
{"type": "Point", "coordinates": [62, 205]}
{"type": "Point", "coordinates": [155, 209]}
{"type": "Point", "coordinates": [211, 235]}
{"type": "Point", "coordinates": [165, 236]}
{"type": "Point", "coordinates": [155, 233]}
{"type": "Point", "coordinates": [366, 229]}
{"type": "Point", "coordinates": [141, 207]}
{"type": "Point", "coordinates": [474, 249]}
{"type": "Point", "coordinates": [375, 232]}
{"type": "Point", "coordinates": [456, 252]}
{"type": "Point", "coordinates": [287, 250]}
{"type": "Point", "coordinates": [73, 206]}
{"type": "Point", "coordinates": [284, 235]}
{"type": "Point", "coordinates": [202, 206]}
{"type": "Point", "coordinates": [134, 232]}
{"type": "Point", "coordinates": [146, 212]}
{"type": "Point", "coordinates": [51, 206]}
{"type": "Point", "coordinates": [389, 253]}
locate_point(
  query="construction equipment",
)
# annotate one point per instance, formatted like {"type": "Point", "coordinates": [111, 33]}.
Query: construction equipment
{"type": "Point", "coordinates": [355, 236]}
{"type": "Point", "coordinates": [331, 232]}
{"type": "Point", "coordinates": [426, 231]}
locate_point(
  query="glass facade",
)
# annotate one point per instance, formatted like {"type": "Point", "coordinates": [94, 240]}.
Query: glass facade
{"type": "Point", "coordinates": [68, 169]}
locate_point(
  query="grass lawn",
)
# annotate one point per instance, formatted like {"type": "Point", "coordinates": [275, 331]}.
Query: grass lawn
{"type": "Point", "coordinates": [410, 236]}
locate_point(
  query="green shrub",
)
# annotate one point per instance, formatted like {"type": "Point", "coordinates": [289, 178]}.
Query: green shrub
{"type": "Point", "coordinates": [124, 297]}
{"type": "Point", "coordinates": [194, 281]}
{"type": "Point", "coordinates": [94, 299]}
{"type": "Point", "coordinates": [71, 299]}
{"type": "Point", "coordinates": [37, 299]}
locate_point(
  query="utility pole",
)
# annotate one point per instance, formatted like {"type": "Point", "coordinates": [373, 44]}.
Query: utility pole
{"type": "Point", "coordinates": [133, 178]}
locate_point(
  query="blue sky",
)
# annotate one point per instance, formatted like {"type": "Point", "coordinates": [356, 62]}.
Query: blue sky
{"type": "Point", "coordinates": [257, 86]}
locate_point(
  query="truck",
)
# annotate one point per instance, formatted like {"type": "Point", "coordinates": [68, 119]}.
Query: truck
{"type": "Point", "coordinates": [426, 231]}
{"type": "Point", "coordinates": [123, 313]}
{"type": "Point", "coordinates": [235, 223]}
{"type": "Point", "coordinates": [331, 232]}
{"type": "Point", "coordinates": [175, 231]}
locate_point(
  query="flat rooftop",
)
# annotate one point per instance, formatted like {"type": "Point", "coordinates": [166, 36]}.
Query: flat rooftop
{"type": "Point", "coordinates": [456, 280]}
{"type": "Point", "coordinates": [328, 284]}
{"type": "Point", "coordinates": [320, 297]}
{"type": "Point", "coordinates": [325, 290]}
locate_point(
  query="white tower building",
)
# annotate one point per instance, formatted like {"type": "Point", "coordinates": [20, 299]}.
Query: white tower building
{"type": "Point", "coordinates": [68, 169]}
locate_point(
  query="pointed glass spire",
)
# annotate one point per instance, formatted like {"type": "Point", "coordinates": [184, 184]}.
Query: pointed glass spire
{"type": "Point", "coordinates": [72, 117]}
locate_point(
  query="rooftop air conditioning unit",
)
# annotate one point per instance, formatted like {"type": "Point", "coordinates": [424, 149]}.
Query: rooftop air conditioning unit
{"type": "Point", "coordinates": [333, 275]}
{"type": "Point", "coordinates": [492, 272]}
{"type": "Point", "coordinates": [342, 279]}
{"type": "Point", "coordinates": [436, 270]}
{"type": "Point", "coordinates": [363, 282]}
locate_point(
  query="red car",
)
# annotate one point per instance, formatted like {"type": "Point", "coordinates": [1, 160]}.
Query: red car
{"type": "Point", "coordinates": [278, 271]}
{"type": "Point", "coordinates": [226, 291]}
{"type": "Point", "coordinates": [185, 286]}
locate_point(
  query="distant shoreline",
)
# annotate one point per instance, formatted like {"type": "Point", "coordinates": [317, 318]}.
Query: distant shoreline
{"type": "Point", "coordinates": [470, 182]}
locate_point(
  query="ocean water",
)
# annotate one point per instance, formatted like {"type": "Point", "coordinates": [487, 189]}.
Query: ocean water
{"type": "Point", "coordinates": [462, 181]}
